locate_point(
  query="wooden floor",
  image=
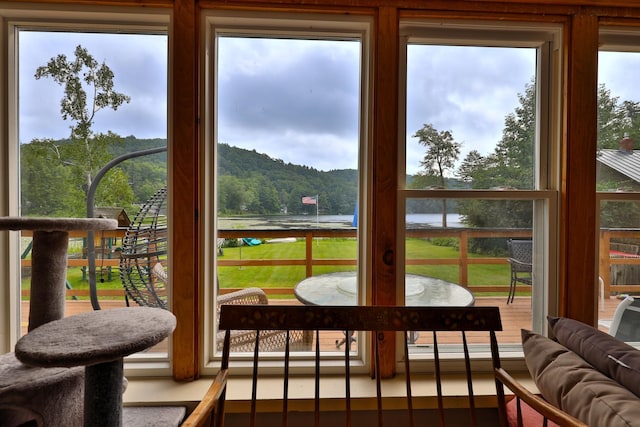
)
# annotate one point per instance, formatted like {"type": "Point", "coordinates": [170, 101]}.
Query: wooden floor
{"type": "Point", "coordinates": [515, 316]}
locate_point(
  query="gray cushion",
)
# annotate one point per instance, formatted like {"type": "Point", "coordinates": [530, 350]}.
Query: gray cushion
{"type": "Point", "coordinates": [568, 382]}
{"type": "Point", "coordinates": [612, 357]}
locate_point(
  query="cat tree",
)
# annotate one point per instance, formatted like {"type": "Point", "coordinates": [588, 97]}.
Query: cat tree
{"type": "Point", "coordinates": [44, 380]}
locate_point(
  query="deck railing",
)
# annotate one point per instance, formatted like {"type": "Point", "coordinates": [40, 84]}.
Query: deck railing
{"type": "Point", "coordinates": [462, 261]}
{"type": "Point", "coordinates": [615, 261]}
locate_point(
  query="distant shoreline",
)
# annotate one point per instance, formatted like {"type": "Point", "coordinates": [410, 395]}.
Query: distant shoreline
{"type": "Point", "coordinates": [341, 222]}
{"type": "Point", "coordinates": [276, 222]}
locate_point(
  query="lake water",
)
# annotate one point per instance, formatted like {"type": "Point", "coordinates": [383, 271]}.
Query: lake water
{"type": "Point", "coordinates": [432, 220]}
{"type": "Point", "coordinates": [325, 221]}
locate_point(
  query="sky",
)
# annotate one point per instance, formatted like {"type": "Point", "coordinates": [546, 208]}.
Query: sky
{"type": "Point", "coordinates": [139, 64]}
{"type": "Point", "coordinates": [299, 100]}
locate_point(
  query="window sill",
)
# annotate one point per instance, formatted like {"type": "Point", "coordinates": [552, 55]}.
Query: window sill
{"type": "Point", "coordinates": [165, 391]}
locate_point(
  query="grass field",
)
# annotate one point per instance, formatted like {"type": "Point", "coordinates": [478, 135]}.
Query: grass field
{"type": "Point", "coordinates": [288, 276]}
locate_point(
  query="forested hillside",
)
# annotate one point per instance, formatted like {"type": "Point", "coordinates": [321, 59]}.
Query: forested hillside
{"type": "Point", "coordinates": [147, 174]}
{"type": "Point", "coordinates": [54, 183]}
{"type": "Point", "coordinates": [251, 182]}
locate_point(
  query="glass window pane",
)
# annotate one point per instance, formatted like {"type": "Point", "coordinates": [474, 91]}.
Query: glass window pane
{"type": "Point", "coordinates": [470, 130]}
{"type": "Point", "coordinates": [618, 181]}
{"type": "Point", "coordinates": [288, 139]}
{"type": "Point", "coordinates": [466, 263]}
{"type": "Point", "coordinates": [85, 99]}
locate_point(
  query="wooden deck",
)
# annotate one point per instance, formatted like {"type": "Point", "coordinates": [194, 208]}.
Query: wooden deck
{"type": "Point", "coordinates": [515, 316]}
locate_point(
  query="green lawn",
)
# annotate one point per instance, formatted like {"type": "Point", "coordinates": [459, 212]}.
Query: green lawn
{"type": "Point", "coordinates": [77, 281]}
{"type": "Point", "coordinates": [282, 276]}
{"type": "Point", "coordinates": [288, 276]}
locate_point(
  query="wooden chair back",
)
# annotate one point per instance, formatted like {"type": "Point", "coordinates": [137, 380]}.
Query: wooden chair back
{"type": "Point", "coordinates": [368, 319]}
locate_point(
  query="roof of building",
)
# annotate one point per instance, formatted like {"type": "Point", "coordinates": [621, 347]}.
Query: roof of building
{"type": "Point", "coordinates": [624, 162]}
{"type": "Point", "coordinates": [114, 213]}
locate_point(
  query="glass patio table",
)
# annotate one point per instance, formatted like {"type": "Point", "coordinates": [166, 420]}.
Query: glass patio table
{"type": "Point", "coordinates": [340, 289]}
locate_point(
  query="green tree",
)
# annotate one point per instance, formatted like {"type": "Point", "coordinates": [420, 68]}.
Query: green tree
{"type": "Point", "coordinates": [615, 119]}
{"type": "Point", "coordinates": [145, 176]}
{"type": "Point", "coordinates": [471, 166]}
{"type": "Point", "coordinates": [619, 214]}
{"type": "Point", "coordinates": [440, 157]}
{"type": "Point", "coordinates": [88, 88]}
{"type": "Point", "coordinates": [42, 175]}
{"type": "Point", "coordinates": [513, 163]}
{"type": "Point", "coordinates": [510, 166]}
{"type": "Point", "coordinates": [267, 196]}
{"type": "Point", "coordinates": [124, 197]}
{"type": "Point", "coordinates": [611, 119]}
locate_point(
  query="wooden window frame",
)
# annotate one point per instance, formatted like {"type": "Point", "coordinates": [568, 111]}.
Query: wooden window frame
{"type": "Point", "coordinates": [577, 99]}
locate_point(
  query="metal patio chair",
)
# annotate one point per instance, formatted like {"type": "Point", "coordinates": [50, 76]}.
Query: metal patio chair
{"type": "Point", "coordinates": [521, 262]}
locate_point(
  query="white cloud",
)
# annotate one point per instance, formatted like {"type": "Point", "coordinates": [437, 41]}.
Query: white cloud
{"type": "Point", "coordinates": [619, 72]}
{"type": "Point", "coordinates": [466, 90]}
{"type": "Point", "coordinates": [294, 100]}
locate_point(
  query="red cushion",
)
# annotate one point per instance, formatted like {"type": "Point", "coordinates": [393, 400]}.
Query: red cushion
{"type": "Point", "coordinates": [530, 418]}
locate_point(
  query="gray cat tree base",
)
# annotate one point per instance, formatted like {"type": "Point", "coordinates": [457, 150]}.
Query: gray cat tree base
{"type": "Point", "coordinates": [50, 397]}
{"type": "Point", "coordinates": [98, 340]}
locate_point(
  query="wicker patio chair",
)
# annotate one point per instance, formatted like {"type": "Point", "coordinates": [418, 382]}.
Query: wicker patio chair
{"type": "Point", "coordinates": [244, 341]}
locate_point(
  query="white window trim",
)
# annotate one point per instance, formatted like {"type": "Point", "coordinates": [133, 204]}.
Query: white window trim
{"type": "Point", "coordinates": [299, 25]}
{"type": "Point", "coordinates": [14, 17]}
{"type": "Point", "coordinates": [615, 39]}
{"type": "Point", "coordinates": [547, 38]}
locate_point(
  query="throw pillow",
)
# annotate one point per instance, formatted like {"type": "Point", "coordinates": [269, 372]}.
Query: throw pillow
{"type": "Point", "coordinates": [568, 382]}
{"type": "Point", "coordinates": [612, 357]}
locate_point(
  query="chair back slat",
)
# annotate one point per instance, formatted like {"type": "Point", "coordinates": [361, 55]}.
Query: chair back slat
{"type": "Point", "coordinates": [347, 376]}
{"type": "Point", "coordinates": [467, 368]}
{"type": "Point", "coordinates": [407, 370]}
{"type": "Point", "coordinates": [438, 374]}
{"type": "Point", "coordinates": [376, 351]}
{"type": "Point", "coordinates": [218, 415]}
{"type": "Point", "coordinates": [316, 403]}
{"type": "Point", "coordinates": [495, 357]}
{"type": "Point", "coordinates": [254, 381]}
{"type": "Point", "coordinates": [285, 389]}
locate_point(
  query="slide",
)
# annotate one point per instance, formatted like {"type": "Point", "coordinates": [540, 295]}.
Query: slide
{"type": "Point", "coordinates": [250, 241]}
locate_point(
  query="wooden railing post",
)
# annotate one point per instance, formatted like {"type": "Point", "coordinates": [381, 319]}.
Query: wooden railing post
{"type": "Point", "coordinates": [464, 259]}
{"type": "Point", "coordinates": [309, 254]}
{"type": "Point", "coordinates": [604, 264]}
